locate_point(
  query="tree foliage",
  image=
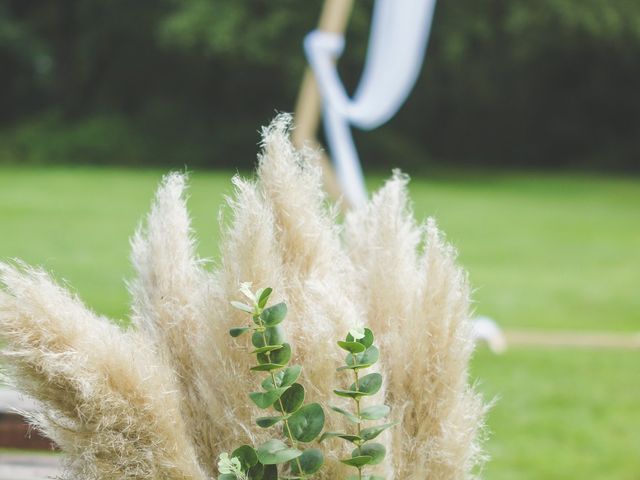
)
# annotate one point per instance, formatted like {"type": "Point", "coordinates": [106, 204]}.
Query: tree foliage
{"type": "Point", "coordinates": [550, 82]}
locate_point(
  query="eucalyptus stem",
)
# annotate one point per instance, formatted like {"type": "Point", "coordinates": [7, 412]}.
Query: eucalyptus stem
{"type": "Point", "coordinates": [357, 400]}
{"type": "Point", "coordinates": [302, 423]}
{"type": "Point", "coordinates": [294, 444]}
{"type": "Point", "coordinates": [362, 354]}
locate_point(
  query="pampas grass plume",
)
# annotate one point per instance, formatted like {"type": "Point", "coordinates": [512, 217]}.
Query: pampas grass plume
{"type": "Point", "coordinates": [163, 399]}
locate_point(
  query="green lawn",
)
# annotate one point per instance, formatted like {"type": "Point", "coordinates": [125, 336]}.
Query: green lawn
{"type": "Point", "coordinates": [562, 414]}
{"type": "Point", "coordinates": [543, 251]}
{"type": "Point", "coordinates": [552, 252]}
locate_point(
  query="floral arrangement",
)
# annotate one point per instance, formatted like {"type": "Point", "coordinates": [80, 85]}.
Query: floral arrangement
{"type": "Point", "coordinates": [166, 398]}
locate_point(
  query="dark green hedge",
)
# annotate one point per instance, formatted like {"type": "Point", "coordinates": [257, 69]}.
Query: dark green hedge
{"type": "Point", "coordinates": [506, 82]}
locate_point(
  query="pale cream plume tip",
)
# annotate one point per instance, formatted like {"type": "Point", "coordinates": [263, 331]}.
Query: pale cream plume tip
{"type": "Point", "coordinates": [166, 397]}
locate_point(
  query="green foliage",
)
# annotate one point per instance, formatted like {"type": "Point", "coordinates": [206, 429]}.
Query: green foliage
{"type": "Point", "coordinates": [216, 27]}
{"type": "Point", "coordinates": [51, 140]}
{"type": "Point", "coordinates": [543, 82]}
{"type": "Point", "coordinates": [300, 423]}
{"type": "Point", "coordinates": [310, 462]}
{"type": "Point", "coordinates": [529, 83]}
{"type": "Point", "coordinates": [361, 356]}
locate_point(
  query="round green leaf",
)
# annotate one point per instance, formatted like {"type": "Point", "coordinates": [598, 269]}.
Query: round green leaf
{"type": "Point", "coordinates": [357, 461]}
{"type": "Point", "coordinates": [275, 451]}
{"type": "Point", "coordinates": [268, 348]}
{"type": "Point", "coordinates": [284, 378]}
{"type": "Point", "coordinates": [237, 331]}
{"type": "Point", "coordinates": [352, 347]}
{"type": "Point", "coordinates": [263, 296]}
{"type": "Point", "coordinates": [350, 416]}
{"type": "Point", "coordinates": [375, 412]}
{"type": "Point", "coordinates": [242, 306]}
{"type": "Point", "coordinates": [310, 462]}
{"type": "Point", "coordinates": [267, 383]}
{"type": "Point", "coordinates": [372, 432]}
{"type": "Point", "coordinates": [374, 450]}
{"type": "Point", "coordinates": [307, 423]}
{"type": "Point", "coordinates": [247, 456]}
{"type": "Point", "coordinates": [266, 367]}
{"type": "Point", "coordinates": [362, 360]}
{"type": "Point", "coordinates": [290, 375]}
{"type": "Point", "coordinates": [291, 400]}
{"type": "Point", "coordinates": [274, 336]}
{"type": "Point", "coordinates": [257, 471]}
{"type": "Point", "coordinates": [345, 436]}
{"type": "Point", "coordinates": [274, 315]}
{"type": "Point", "coordinates": [270, 473]}
{"type": "Point", "coordinates": [367, 340]}
{"type": "Point", "coordinates": [368, 385]}
{"type": "Point", "coordinates": [266, 399]}
{"type": "Point", "coordinates": [349, 393]}
{"type": "Point", "coordinates": [266, 422]}
{"type": "Point", "coordinates": [280, 356]}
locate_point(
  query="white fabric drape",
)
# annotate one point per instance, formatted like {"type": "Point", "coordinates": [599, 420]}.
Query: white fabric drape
{"type": "Point", "coordinates": [399, 33]}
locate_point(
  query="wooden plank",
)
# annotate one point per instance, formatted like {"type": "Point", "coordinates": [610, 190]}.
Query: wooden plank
{"type": "Point", "coordinates": [334, 18]}
{"type": "Point", "coordinates": [29, 467]}
{"type": "Point", "coordinates": [14, 429]}
{"type": "Point", "coordinates": [533, 338]}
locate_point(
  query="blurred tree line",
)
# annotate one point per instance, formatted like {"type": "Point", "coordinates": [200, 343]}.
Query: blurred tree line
{"type": "Point", "coordinates": [506, 82]}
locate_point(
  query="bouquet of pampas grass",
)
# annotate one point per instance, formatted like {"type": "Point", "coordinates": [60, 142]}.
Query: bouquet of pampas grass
{"type": "Point", "coordinates": [163, 398]}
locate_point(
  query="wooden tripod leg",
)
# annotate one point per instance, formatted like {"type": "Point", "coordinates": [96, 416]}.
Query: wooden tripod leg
{"type": "Point", "coordinates": [334, 18]}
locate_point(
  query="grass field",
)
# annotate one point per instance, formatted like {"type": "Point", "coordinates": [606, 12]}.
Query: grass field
{"type": "Point", "coordinates": [553, 252]}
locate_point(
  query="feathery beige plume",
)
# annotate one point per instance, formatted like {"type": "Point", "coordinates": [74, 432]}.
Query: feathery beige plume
{"type": "Point", "coordinates": [168, 308]}
{"type": "Point", "coordinates": [163, 400]}
{"type": "Point", "coordinates": [107, 400]}
{"type": "Point", "coordinates": [420, 303]}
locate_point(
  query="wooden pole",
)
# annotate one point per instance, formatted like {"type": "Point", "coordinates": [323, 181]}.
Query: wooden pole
{"type": "Point", "coordinates": [334, 18]}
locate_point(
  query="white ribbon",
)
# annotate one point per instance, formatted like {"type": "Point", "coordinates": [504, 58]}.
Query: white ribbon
{"type": "Point", "coordinates": [399, 33]}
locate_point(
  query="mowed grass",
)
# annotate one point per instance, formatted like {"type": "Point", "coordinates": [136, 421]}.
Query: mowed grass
{"type": "Point", "coordinates": [545, 251]}
{"type": "Point", "coordinates": [562, 414]}
{"type": "Point", "coordinates": [553, 252]}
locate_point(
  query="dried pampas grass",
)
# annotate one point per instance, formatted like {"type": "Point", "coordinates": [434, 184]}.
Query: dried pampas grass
{"type": "Point", "coordinates": [163, 399]}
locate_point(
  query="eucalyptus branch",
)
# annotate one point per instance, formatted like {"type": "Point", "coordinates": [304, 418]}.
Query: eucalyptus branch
{"type": "Point", "coordinates": [362, 354]}
{"type": "Point", "coordinates": [280, 391]}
